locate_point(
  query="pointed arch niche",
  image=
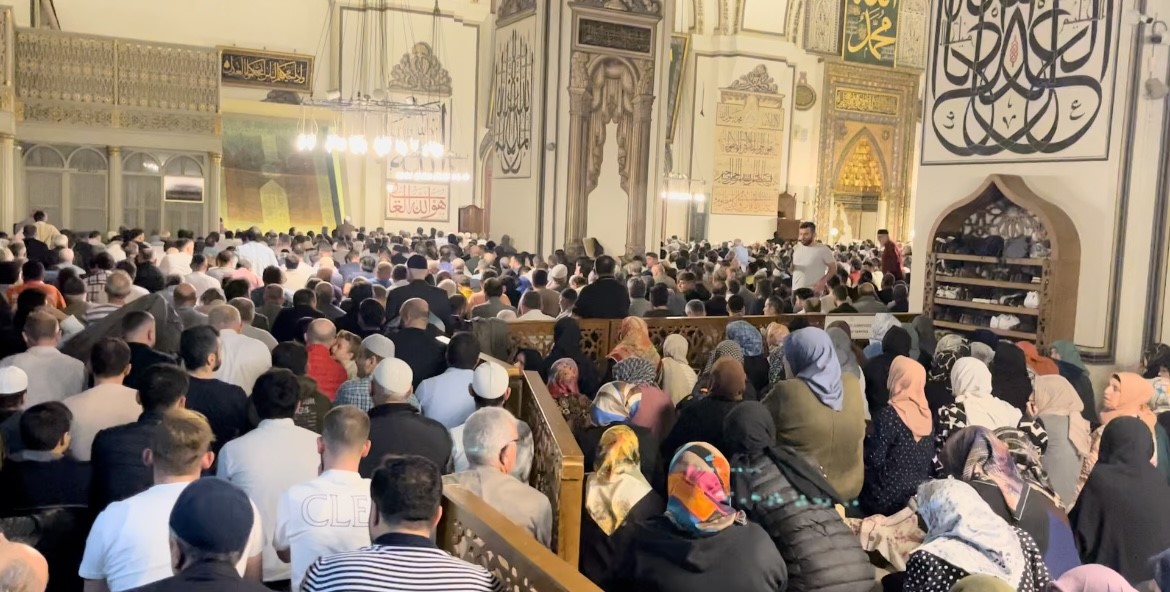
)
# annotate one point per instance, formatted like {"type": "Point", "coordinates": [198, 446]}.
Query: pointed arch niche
{"type": "Point", "coordinates": [967, 268]}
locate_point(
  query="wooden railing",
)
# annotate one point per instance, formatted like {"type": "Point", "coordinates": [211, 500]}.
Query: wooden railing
{"type": "Point", "coordinates": [598, 336]}
{"type": "Point", "coordinates": [471, 530]}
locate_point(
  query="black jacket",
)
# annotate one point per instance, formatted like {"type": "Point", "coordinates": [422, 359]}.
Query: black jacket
{"type": "Point", "coordinates": [224, 405]}
{"type": "Point", "coordinates": [285, 325]}
{"type": "Point", "coordinates": [150, 277]}
{"type": "Point", "coordinates": [143, 357]}
{"type": "Point", "coordinates": [27, 486]}
{"type": "Point", "coordinates": [700, 420]}
{"type": "Point", "coordinates": [662, 558]}
{"type": "Point", "coordinates": [204, 577]}
{"type": "Point", "coordinates": [398, 428]}
{"type": "Point", "coordinates": [601, 554]}
{"type": "Point", "coordinates": [118, 471]}
{"type": "Point", "coordinates": [436, 299]}
{"type": "Point", "coordinates": [605, 298]}
{"type": "Point", "coordinates": [421, 351]}
{"type": "Point", "coordinates": [35, 250]}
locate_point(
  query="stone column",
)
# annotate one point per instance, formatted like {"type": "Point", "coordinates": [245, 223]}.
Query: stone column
{"type": "Point", "coordinates": [580, 108]}
{"type": "Point", "coordinates": [214, 190]}
{"type": "Point", "coordinates": [7, 180]}
{"type": "Point", "coordinates": [641, 137]}
{"type": "Point", "coordinates": [114, 195]}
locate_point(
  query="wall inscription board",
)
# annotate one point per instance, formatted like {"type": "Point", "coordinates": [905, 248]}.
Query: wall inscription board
{"type": "Point", "coordinates": [869, 32]}
{"type": "Point", "coordinates": [418, 201]}
{"type": "Point", "coordinates": [265, 69]}
{"type": "Point", "coordinates": [749, 144]}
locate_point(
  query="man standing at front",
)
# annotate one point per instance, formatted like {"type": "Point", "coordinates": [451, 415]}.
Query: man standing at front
{"type": "Point", "coordinates": [812, 262]}
{"type": "Point", "coordinates": [891, 255]}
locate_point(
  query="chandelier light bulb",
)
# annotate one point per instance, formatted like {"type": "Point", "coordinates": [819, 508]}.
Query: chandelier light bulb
{"type": "Point", "coordinates": [306, 142]}
{"type": "Point", "coordinates": [334, 143]}
{"type": "Point", "coordinates": [401, 148]}
{"type": "Point", "coordinates": [382, 146]}
{"type": "Point", "coordinates": [358, 144]}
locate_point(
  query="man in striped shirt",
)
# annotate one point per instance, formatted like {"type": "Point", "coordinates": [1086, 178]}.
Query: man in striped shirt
{"type": "Point", "coordinates": [118, 287]}
{"type": "Point", "coordinates": [406, 491]}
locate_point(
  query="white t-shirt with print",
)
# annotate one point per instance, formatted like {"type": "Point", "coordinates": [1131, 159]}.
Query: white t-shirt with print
{"type": "Point", "coordinates": [325, 516]}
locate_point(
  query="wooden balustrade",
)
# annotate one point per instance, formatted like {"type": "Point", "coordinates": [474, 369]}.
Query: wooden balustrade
{"type": "Point", "coordinates": [471, 530]}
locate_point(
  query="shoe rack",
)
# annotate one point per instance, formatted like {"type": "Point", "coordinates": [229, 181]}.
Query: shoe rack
{"type": "Point", "coordinates": [971, 285]}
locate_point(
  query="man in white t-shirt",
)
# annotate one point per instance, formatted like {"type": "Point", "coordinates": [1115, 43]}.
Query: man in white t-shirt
{"type": "Point", "coordinates": [812, 262]}
{"type": "Point", "coordinates": [329, 514]}
{"type": "Point", "coordinates": [129, 546]}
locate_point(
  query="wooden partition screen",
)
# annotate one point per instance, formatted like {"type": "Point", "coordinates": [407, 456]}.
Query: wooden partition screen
{"type": "Point", "coordinates": [471, 530]}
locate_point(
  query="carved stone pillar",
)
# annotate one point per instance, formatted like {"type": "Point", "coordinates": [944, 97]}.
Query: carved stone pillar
{"type": "Point", "coordinates": [640, 140]}
{"type": "Point", "coordinates": [7, 180]}
{"type": "Point", "coordinates": [214, 188]}
{"type": "Point", "coordinates": [114, 194]}
{"type": "Point", "coordinates": [580, 110]}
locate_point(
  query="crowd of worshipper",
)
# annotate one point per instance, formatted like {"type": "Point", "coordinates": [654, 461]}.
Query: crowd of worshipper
{"type": "Point", "coordinates": [259, 411]}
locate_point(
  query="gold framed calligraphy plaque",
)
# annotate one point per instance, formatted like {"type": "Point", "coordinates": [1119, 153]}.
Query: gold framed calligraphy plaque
{"type": "Point", "coordinates": [418, 201]}
{"type": "Point", "coordinates": [869, 32]}
{"type": "Point", "coordinates": [749, 145]}
{"type": "Point", "coordinates": [265, 69]}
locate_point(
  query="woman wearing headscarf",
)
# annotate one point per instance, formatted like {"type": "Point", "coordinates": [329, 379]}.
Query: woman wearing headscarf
{"type": "Point", "coordinates": [977, 457]}
{"type": "Point", "coordinates": [976, 405]}
{"type": "Point", "coordinates": [703, 416]}
{"type": "Point", "coordinates": [701, 543]}
{"type": "Point", "coordinates": [562, 386]}
{"type": "Point", "coordinates": [617, 403]}
{"type": "Point", "coordinates": [882, 322]}
{"type": "Point", "coordinates": [1038, 363]}
{"type": "Point", "coordinates": [1009, 375]}
{"type": "Point", "coordinates": [656, 411]}
{"type": "Point", "coordinates": [776, 334]}
{"type": "Point", "coordinates": [678, 378]}
{"type": "Point", "coordinates": [819, 411]}
{"type": "Point", "coordinates": [899, 448]}
{"type": "Point", "coordinates": [755, 363]}
{"type": "Point", "coordinates": [1056, 403]}
{"type": "Point", "coordinates": [1068, 361]}
{"type": "Point", "coordinates": [1128, 395]}
{"type": "Point", "coordinates": [617, 495]}
{"type": "Point", "coordinates": [1121, 519]}
{"type": "Point", "coordinates": [1028, 462]}
{"type": "Point", "coordinates": [790, 498]}
{"type": "Point", "coordinates": [913, 333]}
{"type": "Point", "coordinates": [964, 539]}
{"type": "Point", "coordinates": [938, 378]}
{"type": "Point", "coordinates": [1156, 360]}
{"type": "Point", "coordinates": [725, 349]}
{"type": "Point", "coordinates": [528, 359]}
{"type": "Point", "coordinates": [567, 344]}
{"type": "Point", "coordinates": [1092, 578]}
{"type": "Point", "coordinates": [877, 370]}
{"type": "Point", "coordinates": [847, 354]}
{"type": "Point", "coordinates": [927, 342]}
{"type": "Point", "coordinates": [633, 342]}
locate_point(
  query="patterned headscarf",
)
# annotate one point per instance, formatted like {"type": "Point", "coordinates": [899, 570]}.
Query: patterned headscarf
{"type": "Point", "coordinates": [962, 530]}
{"type": "Point", "coordinates": [699, 490]}
{"type": "Point", "coordinates": [943, 363]}
{"type": "Point", "coordinates": [776, 335]}
{"type": "Point", "coordinates": [1027, 459]}
{"type": "Point", "coordinates": [563, 378]}
{"type": "Point", "coordinates": [975, 453]}
{"type": "Point", "coordinates": [616, 485]}
{"type": "Point", "coordinates": [747, 336]}
{"type": "Point", "coordinates": [725, 349]}
{"type": "Point", "coordinates": [811, 357]}
{"type": "Point", "coordinates": [1132, 399]}
{"type": "Point", "coordinates": [950, 342]}
{"type": "Point", "coordinates": [616, 402]}
{"type": "Point", "coordinates": [635, 342]}
{"type": "Point", "coordinates": [635, 371]}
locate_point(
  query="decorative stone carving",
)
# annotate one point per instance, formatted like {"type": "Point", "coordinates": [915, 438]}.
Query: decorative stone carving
{"type": "Point", "coordinates": [5, 57]}
{"type": "Point", "coordinates": [758, 80]}
{"type": "Point", "coordinates": [140, 119]}
{"type": "Point", "coordinates": [55, 66]}
{"type": "Point", "coordinates": [653, 7]}
{"type": "Point", "coordinates": [168, 77]}
{"type": "Point", "coordinates": [579, 70]}
{"type": "Point", "coordinates": [602, 34]}
{"type": "Point", "coordinates": [822, 27]}
{"type": "Point", "coordinates": [420, 71]}
{"type": "Point", "coordinates": [511, 10]}
{"type": "Point", "coordinates": [805, 96]}
{"type": "Point", "coordinates": [81, 114]}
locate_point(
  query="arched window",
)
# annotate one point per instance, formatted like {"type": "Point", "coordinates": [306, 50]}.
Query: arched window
{"type": "Point", "coordinates": [88, 188]}
{"type": "Point", "coordinates": [44, 182]}
{"type": "Point", "coordinates": [184, 194]}
{"type": "Point", "coordinates": [69, 184]}
{"type": "Point", "coordinates": [142, 192]}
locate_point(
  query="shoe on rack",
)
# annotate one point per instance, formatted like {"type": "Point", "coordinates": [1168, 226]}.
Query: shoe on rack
{"type": "Point", "coordinates": [1009, 322]}
{"type": "Point", "coordinates": [1032, 300]}
{"type": "Point", "coordinates": [995, 321]}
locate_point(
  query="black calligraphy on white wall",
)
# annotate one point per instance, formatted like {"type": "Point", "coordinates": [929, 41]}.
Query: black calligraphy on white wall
{"type": "Point", "coordinates": [1021, 80]}
{"type": "Point", "coordinates": [512, 111]}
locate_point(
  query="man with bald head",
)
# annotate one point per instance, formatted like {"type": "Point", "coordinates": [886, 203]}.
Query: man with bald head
{"type": "Point", "coordinates": [243, 358]}
{"type": "Point", "coordinates": [415, 343]}
{"type": "Point", "coordinates": [328, 372]}
{"type": "Point", "coordinates": [22, 568]}
{"type": "Point", "coordinates": [247, 315]}
{"type": "Point", "coordinates": [186, 298]}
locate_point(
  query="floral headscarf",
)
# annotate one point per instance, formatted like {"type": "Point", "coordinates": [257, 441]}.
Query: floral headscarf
{"type": "Point", "coordinates": [563, 378]}
{"type": "Point", "coordinates": [699, 490]}
{"type": "Point", "coordinates": [747, 336]}
{"type": "Point", "coordinates": [616, 484]}
{"type": "Point", "coordinates": [975, 453]}
{"type": "Point", "coordinates": [616, 402]}
{"type": "Point", "coordinates": [1027, 459]}
{"type": "Point", "coordinates": [950, 342]}
{"type": "Point", "coordinates": [635, 371]}
{"type": "Point", "coordinates": [962, 530]}
{"type": "Point", "coordinates": [635, 342]}
{"type": "Point", "coordinates": [776, 335]}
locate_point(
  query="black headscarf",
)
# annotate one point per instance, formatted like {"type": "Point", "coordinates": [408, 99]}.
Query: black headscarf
{"type": "Point", "coordinates": [532, 360]}
{"type": "Point", "coordinates": [1121, 518]}
{"type": "Point", "coordinates": [567, 344]}
{"type": "Point", "coordinates": [1009, 376]}
{"type": "Point", "coordinates": [986, 337]}
{"type": "Point", "coordinates": [896, 343]}
{"type": "Point", "coordinates": [748, 432]}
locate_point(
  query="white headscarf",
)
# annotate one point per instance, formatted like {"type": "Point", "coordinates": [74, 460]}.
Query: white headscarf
{"type": "Point", "coordinates": [971, 383]}
{"type": "Point", "coordinates": [962, 530]}
{"type": "Point", "coordinates": [678, 378]}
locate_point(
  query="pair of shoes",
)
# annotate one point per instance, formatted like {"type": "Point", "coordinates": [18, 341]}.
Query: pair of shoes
{"type": "Point", "coordinates": [947, 292]}
{"type": "Point", "coordinates": [1032, 300]}
{"type": "Point", "coordinates": [1005, 322]}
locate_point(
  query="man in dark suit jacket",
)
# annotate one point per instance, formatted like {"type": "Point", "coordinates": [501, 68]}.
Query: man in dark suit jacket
{"type": "Point", "coordinates": [35, 250]}
{"type": "Point", "coordinates": [138, 329]}
{"type": "Point", "coordinates": [118, 470]}
{"type": "Point", "coordinates": [436, 298]}
{"type": "Point", "coordinates": [396, 427]}
{"type": "Point", "coordinates": [417, 346]}
{"type": "Point", "coordinates": [605, 298]}
{"type": "Point", "coordinates": [43, 477]}
{"type": "Point", "coordinates": [285, 325]}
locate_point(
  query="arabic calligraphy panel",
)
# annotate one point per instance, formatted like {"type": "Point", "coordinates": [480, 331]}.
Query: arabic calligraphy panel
{"type": "Point", "coordinates": [512, 101]}
{"type": "Point", "coordinates": [265, 69]}
{"type": "Point", "coordinates": [749, 145]}
{"type": "Point", "coordinates": [869, 32]}
{"type": "Point", "coordinates": [418, 201]}
{"type": "Point", "coordinates": [1013, 81]}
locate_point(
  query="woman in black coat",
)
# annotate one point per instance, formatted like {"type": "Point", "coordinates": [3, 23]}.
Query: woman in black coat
{"type": "Point", "coordinates": [567, 344]}
{"type": "Point", "coordinates": [793, 502]}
